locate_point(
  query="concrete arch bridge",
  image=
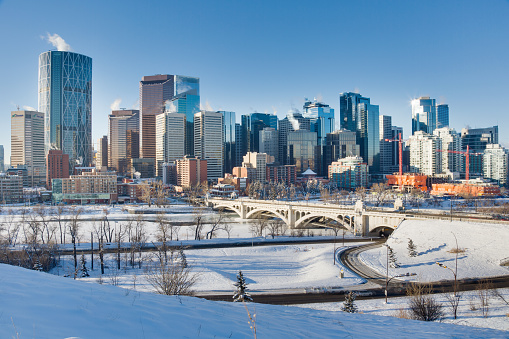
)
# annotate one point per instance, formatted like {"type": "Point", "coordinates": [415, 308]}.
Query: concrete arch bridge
{"type": "Point", "coordinates": [301, 214]}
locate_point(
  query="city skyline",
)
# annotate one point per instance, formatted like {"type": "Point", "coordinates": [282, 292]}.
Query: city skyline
{"type": "Point", "coordinates": [252, 59]}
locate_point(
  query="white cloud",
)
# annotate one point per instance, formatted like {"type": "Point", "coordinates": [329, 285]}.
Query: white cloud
{"type": "Point", "coordinates": [58, 42]}
{"type": "Point", "coordinates": [115, 105]}
{"type": "Point", "coordinates": [29, 108]}
{"type": "Point", "coordinates": [206, 107]}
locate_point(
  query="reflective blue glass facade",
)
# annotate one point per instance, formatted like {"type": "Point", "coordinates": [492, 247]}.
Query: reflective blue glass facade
{"type": "Point", "coordinates": [65, 98]}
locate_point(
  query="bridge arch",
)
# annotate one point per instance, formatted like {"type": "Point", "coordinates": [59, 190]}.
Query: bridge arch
{"type": "Point", "coordinates": [253, 212]}
{"type": "Point", "coordinates": [308, 217]}
{"type": "Point", "coordinates": [384, 230]}
{"type": "Point", "coordinates": [228, 207]}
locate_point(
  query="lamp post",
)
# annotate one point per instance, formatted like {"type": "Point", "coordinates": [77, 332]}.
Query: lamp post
{"type": "Point", "coordinates": [389, 280]}
{"type": "Point", "coordinates": [453, 272]}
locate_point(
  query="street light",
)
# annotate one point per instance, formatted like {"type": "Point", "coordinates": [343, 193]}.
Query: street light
{"type": "Point", "coordinates": [453, 272]}
{"type": "Point", "coordinates": [396, 276]}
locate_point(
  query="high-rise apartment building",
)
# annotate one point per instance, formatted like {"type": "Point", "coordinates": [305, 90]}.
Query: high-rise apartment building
{"type": "Point", "coordinates": [230, 147]}
{"type": "Point", "coordinates": [170, 138]}
{"type": "Point", "coordinates": [258, 162]}
{"type": "Point", "coordinates": [302, 147]}
{"type": "Point", "coordinates": [349, 173]}
{"type": "Point", "coordinates": [191, 171]}
{"type": "Point", "coordinates": [101, 159]}
{"type": "Point", "coordinates": [292, 122]}
{"type": "Point", "coordinates": [208, 141]}
{"type": "Point", "coordinates": [65, 98]}
{"type": "Point", "coordinates": [450, 142]}
{"type": "Point", "coordinates": [496, 163]}
{"type": "Point", "coordinates": [27, 145]}
{"type": "Point", "coordinates": [396, 134]}
{"type": "Point", "coordinates": [124, 140]}
{"type": "Point", "coordinates": [57, 166]}
{"type": "Point", "coordinates": [239, 137]}
{"type": "Point", "coordinates": [424, 155]}
{"type": "Point", "coordinates": [269, 142]}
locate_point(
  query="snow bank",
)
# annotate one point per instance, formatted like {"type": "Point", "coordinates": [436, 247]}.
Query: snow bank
{"type": "Point", "coordinates": [41, 305]}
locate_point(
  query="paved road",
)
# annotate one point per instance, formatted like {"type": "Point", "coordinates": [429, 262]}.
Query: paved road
{"type": "Point", "coordinates": [374, 288]}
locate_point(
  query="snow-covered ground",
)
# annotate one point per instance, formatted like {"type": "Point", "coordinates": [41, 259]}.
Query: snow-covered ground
{"type": "Point", "coordinates": [484, 246]}
{"type": "Point", "coordinates": [469, 311]}
{"type": "Point", "coordinates": [40, 305]}
{"type": "Point", "coordinates": [272, 269]}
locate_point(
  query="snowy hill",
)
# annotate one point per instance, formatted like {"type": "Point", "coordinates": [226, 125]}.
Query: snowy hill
{"type": "Point", "coordinates": [39, 305]}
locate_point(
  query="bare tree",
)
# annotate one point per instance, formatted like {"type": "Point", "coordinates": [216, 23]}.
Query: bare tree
{"type": "Point", "coordinates": [216, 224]}
{"type": "Point", "coordinates": [381, 191]}
{"type": "Point", "coordinates": [58, 215]}
{"type": "Point", "coordinates": [147, 194]}
{"type": "Point", "coordinates": [197, 224]}
{"type": "Point", "coordinates": [484, 291]}
{"type": "Point", "coordinates": [172, 276]}
{"type": "Point", "coordinates": [139, 239]}
{"type": "Point", "coordinates": [164, 232]}
{"type": "Point", "coordinates": [259, 226]}
{"type": "Point", "coordinates": [12, 227]}
{"type": "Point", "coordinates": [161, 194]}
{"type": "Point", "coordinates": [275, 227]}
{"type": "Point", "coordinates": [361, 193]}
{"type": "Point", "coordinates": [74, 226]}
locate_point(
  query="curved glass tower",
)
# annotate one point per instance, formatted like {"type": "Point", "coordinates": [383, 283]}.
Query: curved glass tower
{"type": "Point", "coordinates": [65, 98]}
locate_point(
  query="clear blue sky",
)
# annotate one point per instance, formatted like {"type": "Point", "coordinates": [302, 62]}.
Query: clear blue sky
{"type": "Point", "coordinates": [266, 56]}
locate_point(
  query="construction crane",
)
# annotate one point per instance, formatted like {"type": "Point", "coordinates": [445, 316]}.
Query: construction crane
{"type": "Point", "coordinates": [467, 155]}
{"type": "Point", "coordinates": [400, 142]}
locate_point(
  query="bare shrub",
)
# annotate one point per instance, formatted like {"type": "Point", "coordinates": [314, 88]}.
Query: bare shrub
{"type": "Point", "coordinates": [457, 250]}
{"type": "Point", "coordinates": [423, 306]}
{"type": "Point", "coordinates": [171, 276]}
{"type": "Point", "coordinates": [454, 301]}
{"type": "Point", "coordinates": [484, 291]}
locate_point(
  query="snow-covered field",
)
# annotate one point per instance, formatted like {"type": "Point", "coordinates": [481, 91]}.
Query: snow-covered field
{"type": "Point", "coordinates": [40, 305]}
{"type": "Point", "coordinates": [469, 312]}
{"type": "Point", "coordinates": [484, 246]}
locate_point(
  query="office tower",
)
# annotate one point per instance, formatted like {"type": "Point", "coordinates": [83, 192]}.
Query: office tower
{"type": "Point", "coordinates": [27, 144]}
{"type": "Point", "coordinates": [348, 109]}
{"type": "Point", "coordinates": [340, 144]}
{"type": "Point", "coordinates": [302, 147]}
{"type": "Point", "coordinates": [321, 118]}
{"type": "Point", "coordinates": [191, 171]}
{"type": "Point", "coordinates": [143, 167]}
{"type": "Point", "coordinates": [169, 173]}
{"type": "Point", "coordinates": [186, 100]}
{"type": "Point", "coordinates": [155, 90]}
{"type": "Point", "coordinates": [495, 163]}
{"type": "Point", "coordinates": [11, 189]}
{"type": "Point", "coordinates": [2, 161]}
{"type": "Point", "coordinates": [208, 141]}
{"type": "Point", "coordinates": [368, 135]}
{"type": "Point", "coordinates": [170, 138]}
{"type": "Point", "coordinates": [258, 162]}
{"type": "Point", "coordinates": [292, 122]}
{"type": "Point", "coordinates": [101, 161]}
{"type": "Point", "coordinates": [477, 139]}
{"type": "Point", "coordinates": [349, 173]}
{"type": "Point", "coordinates": [450, 141]}
{"type": "Point", "coordinates": [123, 135]}
{"type": "Point", "coordinates": [239, 137]}
{"type": "Point", "coordinates": [359, 115]}
{"type": "Point", "coordinates": [396, 132]}
{"type": "Point", "coordinates": [65, 98]}
{"type": "Point", "coordinates": [229, 141]}
{"type": "Point", "coordinates": [424, 116]}
{"type": "Point", "coordinates": [269, 142]}
{"type": "Point", "coordinates": [252, 124]}
{"type": "Point", "coordinates": [57, 166]}
{"type": "Point", "coordinates": [385, 126]}
{"type": "Point", "coordinates": [424, 157]}
{"type": "Point", "coordinates": [442, 115]}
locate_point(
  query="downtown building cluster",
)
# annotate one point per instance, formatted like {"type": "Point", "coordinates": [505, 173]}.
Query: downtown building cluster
{"type": "Point", "coordinates": [170, 138]}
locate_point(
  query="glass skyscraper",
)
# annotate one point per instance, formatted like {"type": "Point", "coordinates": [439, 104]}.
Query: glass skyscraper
{"type": "Point", "coordinates": [229, 139]}
{"type": "Point", "coordinates": [321, 118]}
{"type": "Point", "coordinates": [252, 124]}
{"type": "Point", "coordinates": [348, 109]}
{"type": "Point", "coordinates": [65, 98]}
{"type": "Point", "coordinates": [424, 115]}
